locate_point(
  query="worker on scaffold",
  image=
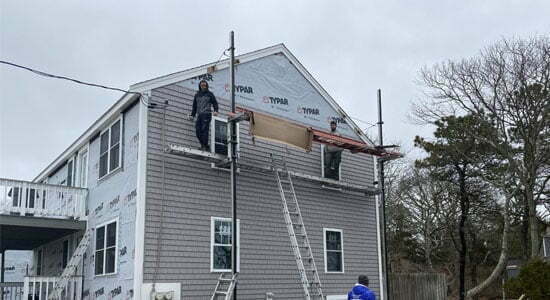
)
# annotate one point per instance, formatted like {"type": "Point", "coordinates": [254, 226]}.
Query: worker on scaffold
{"type": "Point", "coordinates": [333, 156]}
{"type": "Point", "coordinates": [202, 107]}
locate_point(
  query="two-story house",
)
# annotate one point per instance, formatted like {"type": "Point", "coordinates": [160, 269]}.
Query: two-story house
{"type": "Point", "coordinates": [128, 210]}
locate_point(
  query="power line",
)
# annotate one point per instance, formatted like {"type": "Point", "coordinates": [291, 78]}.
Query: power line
{"type": "Point", "coordinates": [41, 73]}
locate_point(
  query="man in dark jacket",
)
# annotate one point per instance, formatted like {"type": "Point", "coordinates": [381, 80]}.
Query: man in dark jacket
{"type": "Point", "coordinates": [360, 291]}
{"type": "Point", "coordinates": [202, 103]}
{"type": "Point", "coordinates": [333, 156]}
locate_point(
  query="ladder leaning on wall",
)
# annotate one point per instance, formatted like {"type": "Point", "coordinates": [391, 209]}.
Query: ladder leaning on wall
{"type": "Point", "coordinates": [72, 266]}
{"type": "Point", "coordinates": [309, 276]}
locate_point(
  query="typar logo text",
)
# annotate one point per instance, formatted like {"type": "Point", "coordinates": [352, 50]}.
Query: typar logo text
{"type": "Point", "coordinates": [275, 100]}
{"type": "Point", "coordinates": [244, 89]}
{"type": "Point", "coordinates": [338, 120]}
{"type": "Point", "coordinates": [308, 111]}
{"type": "Point", "coordinates": [207, 77]}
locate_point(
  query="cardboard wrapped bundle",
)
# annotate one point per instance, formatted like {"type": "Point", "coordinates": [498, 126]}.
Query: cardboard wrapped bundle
{"type": "Point", "coordinates": [274, 129]}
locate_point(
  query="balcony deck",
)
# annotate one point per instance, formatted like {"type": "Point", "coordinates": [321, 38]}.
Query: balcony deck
{"type": "Point", "coordinates": [32, 214]}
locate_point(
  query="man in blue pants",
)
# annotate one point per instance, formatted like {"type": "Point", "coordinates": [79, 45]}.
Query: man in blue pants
{"type": "Point", "coordinates": [202, 103]}
{"type": "Point", "coordinates": [360, 291]}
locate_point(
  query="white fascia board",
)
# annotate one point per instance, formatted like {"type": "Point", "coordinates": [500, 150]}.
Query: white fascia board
{"type": "Point", "coordinates": [200, 70]}
{"type": "Point", "coordinates": [96, 127]}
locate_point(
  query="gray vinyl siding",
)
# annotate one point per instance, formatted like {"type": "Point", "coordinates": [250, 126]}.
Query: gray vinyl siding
{"type": "Point", "coordinates": [194, 192]}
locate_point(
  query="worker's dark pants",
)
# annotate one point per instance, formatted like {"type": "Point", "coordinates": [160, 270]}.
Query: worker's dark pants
{"type": "Point", "coordinates": [332, 164]}
{"type": "Point", "coordinates": [202, 127]}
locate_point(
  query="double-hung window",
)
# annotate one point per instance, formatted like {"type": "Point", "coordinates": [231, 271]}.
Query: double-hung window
{"type": "Point", "coordinates": [66, 253]}
{"type": "Point", "coordinates": [331, 162]}
{"type": "Point", "coordinates": [220, 135]}
{"type": "Point", "coordinates": [106, 248]}
{"type": "Point", "coordinates": [70, 172]}
{"type": "Point", "coordinates": [83, 168]}
{"type": "Point", "coordinates": [334, 250]}
{"type": "Point", "coordinates": [221, 244]}
{"type": "Point", "coordinates": [110, 148]}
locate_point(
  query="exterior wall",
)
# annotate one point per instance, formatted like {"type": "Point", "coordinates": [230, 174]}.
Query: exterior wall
{"type": "Point", "coordinates": [113, 197]}
{"type": "Point", "coordinates": [185, 194]}
{"type": "Point", "coordinates": [52, 255]}
{"type": "Point", "coordinates": [16, 265]}
{"type": "Point", "coordinates": [110, 198]}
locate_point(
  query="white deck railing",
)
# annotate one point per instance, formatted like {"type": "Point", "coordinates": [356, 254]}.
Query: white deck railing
{"type": "Point", "coordinates": [11, 291]}
{"type": "Point", "coordinates": [40, 288]}
{"type": "Point", "coordinates": [41, 200]}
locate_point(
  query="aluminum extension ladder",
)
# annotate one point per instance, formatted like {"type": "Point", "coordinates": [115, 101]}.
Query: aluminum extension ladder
{"type": "Point", "coordinates": [72, 265]}
{"type": "Point", "coordinates": [297, 233]}
{"type": "Point", "coordinates": [225, 287]}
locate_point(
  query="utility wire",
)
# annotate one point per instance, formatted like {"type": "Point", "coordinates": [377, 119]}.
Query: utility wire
{"type": "Point", "coordinates": [142, 97]}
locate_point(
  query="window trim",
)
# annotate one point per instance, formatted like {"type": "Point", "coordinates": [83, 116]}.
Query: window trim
{"type": "Point", "coordinates": [109, 146]}
{"type": "Point", "coordinates": [325, 249]}
{"type": "Point", "coordinates": [71, 162]}
{"type": "Point", "coordinates": [212, 226]}
{"type": "Point", "coordinates": [85, 149]}
{"type": "Point", "coordinates": [213, 133]}
{"type": "Point", "coordinates": [115, 220]}
{"type": "Point", "coordinates": [323, 165]}
{"type": "Point", "coordinates": [69, 253]}
{"type": "Point", "coordinates": [40, 250]}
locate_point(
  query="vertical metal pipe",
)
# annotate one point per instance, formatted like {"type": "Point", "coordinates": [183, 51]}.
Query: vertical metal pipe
{"type": "Point", "coordinates": [383, 198]}
{"type": "Point", "coordinates": [233, 141]}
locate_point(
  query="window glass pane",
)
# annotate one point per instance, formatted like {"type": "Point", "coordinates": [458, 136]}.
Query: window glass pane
{"type": "Point", "coordinates": [70, 173]}
{"type": "Point", "coordinates": [222, 232]}
{"type": "Point", "coordinates": [334, 261]}
{"type": "Point", "coordinates": [111, 234]}
{"type": "Point", "coordinates": [220, 137]}
{"type": "Point", "coordinates": [110, 260]}
{"type": "Point", "coordinates": [115, 159]}
{"type": "Point", "coordinates": [103, 165]}
{"type": "Point", "coordinates": [333, 240]}
{"type": "Point", "coordinates": [222, 257]}
{"type": "Point", "coordinates": [99, 262]}
{"type": "Point", "coordinates": [115, 133]}
{"type": "Point", "coordinates": [100, 238]}
{"type": "Point", "coordinates": [104, 144]}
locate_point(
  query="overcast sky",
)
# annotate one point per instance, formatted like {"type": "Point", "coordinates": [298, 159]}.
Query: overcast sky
{"type": "Point", "coordinates": [351, 47]}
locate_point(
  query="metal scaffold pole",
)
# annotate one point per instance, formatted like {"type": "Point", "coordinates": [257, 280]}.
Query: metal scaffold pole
{"type": "Point", "coordinates": [233, 133]}
{"type": "Point", "coordinates": [386, 268]}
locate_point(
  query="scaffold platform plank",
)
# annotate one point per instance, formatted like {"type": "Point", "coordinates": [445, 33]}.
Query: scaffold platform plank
{"type": "Point", "coordinates": [221, 160]}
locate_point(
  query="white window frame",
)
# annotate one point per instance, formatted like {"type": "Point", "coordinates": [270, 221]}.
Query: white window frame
{"type": "Point", "coordinates": [81, 152]}
{"type": "Point", "coordinates": [213, 138]}
{"type": "Point", "coordinates": [40, 250]}
{"type": "Point", "coordinates": [325, 249]}
{"type": "Point", "coordinates": [73, 167]}
{"type": "Point", "coordinates": [323, 165]}
{"type": "Point", "coordinates": [105, 247]}
{"type": "Point", "coordinates": [70, 242]}
{"type": "Point", "coordinates": [213, 135]}
{"type": "Point", "coordinates": [109, 146]}
{"type": "Point", "coordinates": [212, 244]}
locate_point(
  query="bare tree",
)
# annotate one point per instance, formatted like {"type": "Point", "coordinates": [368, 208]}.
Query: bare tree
{"type": "Point", "coordinates": [508, 85]}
